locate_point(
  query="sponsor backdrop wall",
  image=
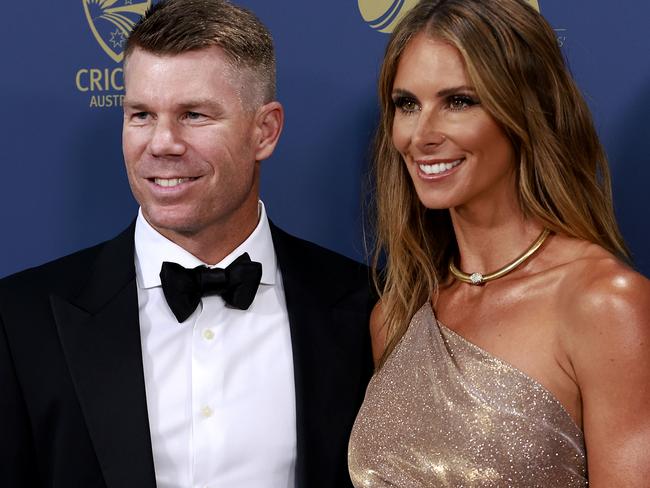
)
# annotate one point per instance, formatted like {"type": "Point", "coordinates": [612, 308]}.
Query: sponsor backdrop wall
{"type": "Point", "coordinates": [61, 88]}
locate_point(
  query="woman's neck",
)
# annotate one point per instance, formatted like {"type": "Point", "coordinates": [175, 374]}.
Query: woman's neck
{"type": "Point", "coordinates": [491, 236]}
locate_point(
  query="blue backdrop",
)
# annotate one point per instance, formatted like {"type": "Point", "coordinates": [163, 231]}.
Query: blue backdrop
{"type": "Point", "coordinates": [61, 119]}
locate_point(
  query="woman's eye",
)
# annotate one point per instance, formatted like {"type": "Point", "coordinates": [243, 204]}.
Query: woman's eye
{"type": "Point", "coordinates": [461, 102]}
{"type": "Point", "coordinates": [407, 105]}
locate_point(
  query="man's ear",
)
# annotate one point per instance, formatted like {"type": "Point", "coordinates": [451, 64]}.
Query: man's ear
{"type": "Point", "coordinates": [268, 121]}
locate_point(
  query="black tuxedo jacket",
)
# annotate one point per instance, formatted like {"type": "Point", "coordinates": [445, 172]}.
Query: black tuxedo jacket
{"type": "Point", "coordinates": [73, 411]}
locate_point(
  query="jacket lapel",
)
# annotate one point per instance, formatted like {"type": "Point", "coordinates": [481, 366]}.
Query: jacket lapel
{"type": "Point", "coordinates": [327, 366]}
{"type": "Point", "coordinates": [100, 335]}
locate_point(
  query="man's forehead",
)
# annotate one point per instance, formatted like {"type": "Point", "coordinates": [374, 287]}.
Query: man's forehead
{"type": "Point", "coordinates": [209, 54]}
{"type": "Point", "coordinates": [189, 77]}
{"type": "Point", "coordinates": [192, 67]}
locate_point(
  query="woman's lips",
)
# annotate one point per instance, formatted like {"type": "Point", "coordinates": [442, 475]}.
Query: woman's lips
{"type": "Point", "coordinates": [434, 168]}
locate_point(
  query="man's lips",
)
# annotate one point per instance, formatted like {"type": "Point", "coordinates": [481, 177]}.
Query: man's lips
{"type": "Point", "coordinates": [172, 182]}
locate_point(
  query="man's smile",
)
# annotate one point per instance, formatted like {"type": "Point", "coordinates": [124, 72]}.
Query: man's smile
{"type": "Point", "coordinates": [172, 182]}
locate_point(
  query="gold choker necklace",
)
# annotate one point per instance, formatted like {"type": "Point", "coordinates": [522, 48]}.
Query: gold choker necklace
{"type": "Point", "coordinates": [480, 279]}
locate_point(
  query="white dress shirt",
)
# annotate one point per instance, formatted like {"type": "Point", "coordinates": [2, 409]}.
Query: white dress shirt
{"type": "Point", "coordinates": [220, 388]}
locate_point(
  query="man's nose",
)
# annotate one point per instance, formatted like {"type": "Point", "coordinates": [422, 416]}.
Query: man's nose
{"type": "Point", "coordinates": [166, 139]}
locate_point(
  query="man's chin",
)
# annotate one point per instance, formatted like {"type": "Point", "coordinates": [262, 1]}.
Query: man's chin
{"type": "Point", "coordinates": [172, 223]}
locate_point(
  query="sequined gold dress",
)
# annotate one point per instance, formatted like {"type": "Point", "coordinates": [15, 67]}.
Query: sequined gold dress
{"type": "Point", "coordinates": [444, 413]}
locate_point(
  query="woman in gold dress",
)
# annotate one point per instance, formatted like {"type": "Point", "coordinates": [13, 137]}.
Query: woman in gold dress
{"type": "Point", "coordinates": [512, 339]}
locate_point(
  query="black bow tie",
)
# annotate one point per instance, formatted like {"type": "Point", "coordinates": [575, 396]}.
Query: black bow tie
{"type": "Point", "coordinates": [183, 288]}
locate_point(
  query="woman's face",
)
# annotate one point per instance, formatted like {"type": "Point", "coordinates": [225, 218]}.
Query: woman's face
{"type": "Point", "coordinates": [454, 150]}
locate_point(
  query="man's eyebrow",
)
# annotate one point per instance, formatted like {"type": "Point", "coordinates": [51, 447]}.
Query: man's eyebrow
{"type": "Point", "coordinates": [133, 105]}
{"type": "Point", "coordinates": [188, 105]}
{"type": "Point", "coordinates": [200, 102]}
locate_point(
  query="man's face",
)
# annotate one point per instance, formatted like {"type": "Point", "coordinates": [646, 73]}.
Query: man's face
{"type": "Point", "coordinates": [191, 145]}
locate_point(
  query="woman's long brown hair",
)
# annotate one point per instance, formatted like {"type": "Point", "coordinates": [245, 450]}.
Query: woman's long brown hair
{"type": "Point", "coordinates": [519, 74]}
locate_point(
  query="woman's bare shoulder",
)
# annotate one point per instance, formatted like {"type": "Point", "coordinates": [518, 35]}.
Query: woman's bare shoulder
{"type": "Point", "coordinates": [598, 285]}
{"type": "Point", "coordinates": [604, 306]}
{"type": "Point", "coordinates": [597, 298]}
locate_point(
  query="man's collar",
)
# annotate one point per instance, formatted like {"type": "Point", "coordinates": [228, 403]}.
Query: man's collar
{"type": "Point", "coordinates": [152, 248]}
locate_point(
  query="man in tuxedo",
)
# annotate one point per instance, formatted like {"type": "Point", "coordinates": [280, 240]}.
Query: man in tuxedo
{"type": "Point", "coordinates": [203, 346]}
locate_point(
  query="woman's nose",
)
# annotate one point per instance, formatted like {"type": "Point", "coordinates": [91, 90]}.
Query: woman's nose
{"type": "Point", "coordinates": [429, 131]}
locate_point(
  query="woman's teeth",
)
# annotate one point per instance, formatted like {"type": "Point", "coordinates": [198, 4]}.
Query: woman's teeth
{"type": "Point", "coordinates": [434, 169]}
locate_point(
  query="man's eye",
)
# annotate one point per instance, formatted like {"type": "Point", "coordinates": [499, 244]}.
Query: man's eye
{"type": "Point", "coordinates": [406, 104]}
{"type": "Point", "coordinates": [194, 116]}
{"type": "Point", "coordinates": [461, 102]}
{"type": "Point", "coordinates": [141, 115]}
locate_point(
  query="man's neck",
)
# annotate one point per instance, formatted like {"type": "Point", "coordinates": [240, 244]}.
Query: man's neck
{"type": "Point", "coordinates": [213, 243]}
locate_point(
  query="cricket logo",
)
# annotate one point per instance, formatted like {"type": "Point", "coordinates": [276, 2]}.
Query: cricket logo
{"type": "Point", "coordinates": [111, 22]}
{"type": "Point", "coordinates": [534, 4]}
{"type": "Point", "coordinates": [383, 15]}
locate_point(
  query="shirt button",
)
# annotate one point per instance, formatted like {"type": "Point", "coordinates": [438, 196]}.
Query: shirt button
{"type": "Point", "coordinates": [208, 335]}
{"type": "Point", "coordinates": [206, 412]}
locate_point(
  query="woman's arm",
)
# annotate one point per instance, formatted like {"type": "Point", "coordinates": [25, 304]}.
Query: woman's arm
{"type": "Point", "coordinates": [609, 346]}
{"type": "Point", "coordinates": [377, 333]}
